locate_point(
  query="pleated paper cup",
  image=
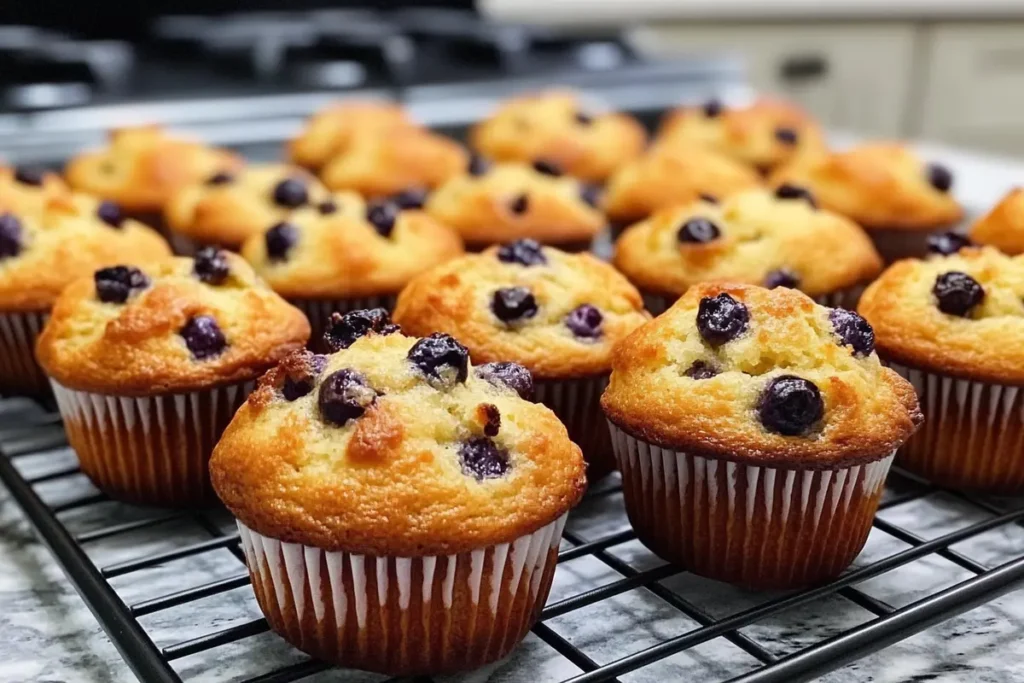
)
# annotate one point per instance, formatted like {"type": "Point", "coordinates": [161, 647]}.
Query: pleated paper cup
{"type": "Point", "coordinates": [187, 246]}
{"type": "Point", "coordinates": [404, 616]}
{"type": "Point", "coordinates": [319, 312]}
{"type": "Point", "coordinates": [150, 450]}
{"type": "Point", "coordinates": [972, 436]}
{"type": "Point", "coordinates": [894, 244]}
{"type": "Point", "coordinates": [757, 527]}
{"type": "Point", "coordinates": [841, 298]}
{"type": "Point", "coordinates": [20, 374]}
{"type": "Point", "coordinates": [577, 403]}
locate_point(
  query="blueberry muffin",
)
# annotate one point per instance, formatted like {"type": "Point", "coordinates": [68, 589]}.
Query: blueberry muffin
{"type": "Point", "coordinates": [900, 200]}
{"type": "Point", "coordinates": [1003, 226]}
{"type": "Point", "coordinates": [27, 189]}
{"type": "Point", "coordinates": [333, 130]}
{"type": "Point", "coordinates": [227, 208]}
{"type": "Point", "coordinates": [764, 134]}
{"type": "Point", "coordinates": [150, 362]}
{"type": "Point", "coordinates": [355, 255]}
{"type": "Point", "coordinates": [504, 202]}
{"type": "Point", "coordinates": [401, 160]}
{"type": "Point", "coordinates": [952, 326]}
{"type": "Point", "coordinates": [669, 176]}
{"type": "Point", "coordinates": [142, 167]}
{"type": "Point", "coordinates": [43, 250]}
{"type": "Point", "coordinates": [558, 315]}
{"type": "Point", "coordinates": [557, 128]}
{"type": "Point", "coordinates": [754, 430]}
{"type": "Point", "coordinates": [755, 237]}
{"type": "Point", "coordinates": [400, 509]}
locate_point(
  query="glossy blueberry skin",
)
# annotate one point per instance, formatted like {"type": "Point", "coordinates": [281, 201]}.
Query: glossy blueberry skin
{"type": "Point", "coordinates": [701, 370]}
{"type": "Point", "coordinates": [948, 243]}
{"type": "Point", "coordinates": [291, 193]}
{"type": "Point", "coordinates": [478, 166]}
{"type": "Point", "coordinates": [786, 136]}
{"type": "Point", "coordinates": [525, 252]}
{"type": "Point", "coordinates": [957, 293]}
{"type": "Point", "coordinates": [721, 319]}
{"type": "Point", "coordinates": [382, 216]}
{"type": "Point", "coordinates": [790, 406]}
{"type": "Point", "coordinates": [344, 396]}
{"type": "Point", "coordinates": [343, 330]}
{"type": "Point", "coordinates": [296, 386]}
{"type": "Point", "coordinates": [211, 265]}
{"type": "Point", "coordinates": [279, 240]}
{"type": "Point", "coordinates": [481, 458]}
{"type": "Point", "coordinates": [585, 321]}
{"type": "Point", "coordinates": [441, 359]}
{"type": "Point", "coordinates": [506, 374]}
{"type": "Point", "coordinates": [713, 108]}
{"type": "Point", "coordinates": [110, 213]}
{"type": "Point", "coordinates": [698, 230]}
{"type": "Point", "coordinates": [327, 207]}
{"type": "Point", "coordinates": [512, 304]}
{"type": "Point", "coordinates": [590, 194]}
{"type": "Point", "coordinates": [221, 178]}
{"type": "Point", "coordinates": [787, 191]}
{"type": "Point", "coordinates": [783, 277]}
{"type": "Point", "coordinates": [852, 330]}
{"type": "Point", "coordinates": [412, 198]}
{"type": "Point", "coordinates": [939, 177]}
{"type": "Point", "coordinates": [10, 236]}
{"type": "Point", "coordinates": [519, 205]}
{"type": "Point", "coordinates": [203, 337]}
{"type": "Point", "coordinates": [115, 284]}
{"type": "Point", "coordinates": [30, 175]}
{"type": "Point", "coordinates": [547, 167]}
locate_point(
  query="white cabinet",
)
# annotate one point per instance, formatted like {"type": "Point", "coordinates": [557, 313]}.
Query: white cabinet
{"type": "Point", "coordinates": [852, 76]}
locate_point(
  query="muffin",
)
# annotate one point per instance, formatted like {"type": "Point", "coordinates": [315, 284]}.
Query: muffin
{"type": "Point", "coordinates": [41, 252]}
{"type": "Point", "coordinates": [142, 167]}
{"type": "Point", "coordinates": [669, 176]}
{"type": "Point", "coordinates": [501, 203]}
{"type": "Point", "coordinates": [884, 187]}
{"type": "Point", "coordinates": [402, 159]}
{"type": "Point", "coordinates": [754, 237]}
{"type": "Point", "coordinates": [558, 315]}
{"type": "Point", "coordinates": [764, 134]}
{"type": "Point", "coordinates": [754, 430]}
{"type": "Point", "coordinates": [1003, 226]}
{"type": "Point", "coordinates": [28, 189]}
{"type": "Point", "coordinates": [557, 128]}
{"type": "Point", "coordinates": [399, 509]}
{"type": "Point", "coordinates": [149, 363]}
{"type": "Point", "coordinates": [225, 209]}
{"type": "Point", "coordinates": [953, 325]}
{"type": "Point", "coordinates": [357, 256]}
{"type": "Point", "coordinates": [333, 130]}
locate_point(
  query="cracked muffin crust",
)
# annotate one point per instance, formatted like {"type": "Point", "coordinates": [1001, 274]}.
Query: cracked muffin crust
{"type": "Point", "coordinates": [333, 130]}
{"type": "Point", "coordinates": [28, 189]}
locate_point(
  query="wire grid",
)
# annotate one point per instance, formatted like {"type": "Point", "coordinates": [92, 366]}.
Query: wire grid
{"type": "Point", "coordinates": [25, 432]}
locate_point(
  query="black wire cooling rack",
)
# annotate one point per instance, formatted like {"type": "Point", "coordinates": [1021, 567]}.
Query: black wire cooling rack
{"type": "Point", "coordinates": [27, 430]}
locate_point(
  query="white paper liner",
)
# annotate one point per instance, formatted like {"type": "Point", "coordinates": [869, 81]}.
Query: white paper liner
{"type": "Point", "coordinates": [404, 615]}
{"type": "Point", "coordinates": [755, 526]}
{"type": "Point", "coordinates": [319, 311]}
{"type": "Point", "coordinates": [153, 449]}
{"type": "Point", "coordinates": [847, 298]}
{"type": "Point", "coordinates": [577, 403]}
{"type": "Point", "coordinates": [972, 436]}
{"type": "Point", "coordinates": [20, 374]}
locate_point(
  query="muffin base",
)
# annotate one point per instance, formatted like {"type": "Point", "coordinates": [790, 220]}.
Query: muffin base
{"type": "Point", "coordinates": [895, 244]}
{"type": "Point", "coordinates": [187, 246]}
{"type": "Point", "coordinates": [404, 616]}
{"type": "Point", "coordinates": [150, 450]}
{"type": "Point", "coordinates": [318, 312]}
{"type": "Point", "coordinates": [577, 403]}
{"type": "Point", "coordinates": [20, 374]}
{"type": "Point", "coordinates": [575, 247]}
{"type": "Point", "coordinates": [973, 434]}
{"type": "Point", "coordinates": [757, 527]}
{"type": "Point", "coordinates": [847, 298]}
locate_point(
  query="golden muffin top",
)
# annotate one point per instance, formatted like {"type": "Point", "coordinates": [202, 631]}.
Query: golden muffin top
{"type": "Point", "coordinates": [68, 237]}
{"type": "Point", "coordinates": [556, 313]}
{"type": "Point", "coordinates": [961, 314]}
{"type": "Point", "coordinates": [1003, 226]}
{"type": "Point", "coordinates": [879, 185]}
{"type": "Point", "coordinates": [331, 131]}
{"type": "Point", "coordinates": [394, 445]}
{"type": "Point", "coordinates": [555, 127]}
{"type": "Point", "coordinates": [763, 377]}
{"type": "Point", "coordinates": [27, 189]}
{"type": "Point", "coordinates": [173, 326]}
{"type": "Point", "coordinates": [756, 237]}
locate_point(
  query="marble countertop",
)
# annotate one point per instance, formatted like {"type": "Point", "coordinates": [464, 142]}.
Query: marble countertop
{"type": "Point", "coordinates": [47, 635]}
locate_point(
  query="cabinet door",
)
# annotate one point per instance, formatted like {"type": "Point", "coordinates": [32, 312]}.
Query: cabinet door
{"type": "Point", "coordinates": [852, 76]}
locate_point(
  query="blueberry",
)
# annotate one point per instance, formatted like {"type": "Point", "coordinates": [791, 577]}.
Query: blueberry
{"type": "Point", "coordinates": [525, 252]}
{"type": "Point", "coordinates": [492, 418]}
{"type": "Point", "coordinates": [853, 331]}
{"type": "Point", "coordinates": [583, 118]}
{"type": "Point", "coordinates": [585, 321]}
{"type": "Point", "coordinates": [327, 207]}
{"type": "Point", "coordinates": [787, 191]}
{"type": "Point", "coordinates": [511, 375]}
{"type": "Point", "coordinates": [590, 194]}
{"type": "Point", "coordinates": [478, 165]}
{"type": "Point", "coordinates": [712, 108]}
{"type": "Point", "coordinates": [203, 337]}
{"type": "Point", "coordinates": [519, 204]}
{"type": "Point", "coordinates": [382, 216]}
{"type": "Point", "coordinates": [947, 243]}
{"type": "Point", "coordinates": [698, 231]}
{"type": "Point", "coordinates": [221, 178]}
{"type": "Point", "coordinates": [957, 293]}
{"type": "Point", "coordinates": [29, 175]}
{"type": "Point", "coordinates": [343, 330]}
{"type": "Point", "coordinates": [721, 319]}
{"type": "Point", "coordinates": [790, 405]}
{"type": "Point", "coordinates": [511, 304]}
{"type": "Point", "coordinates": [344, 395]}
{"type": "Point", "coordinates": [299, 382]}
{"type": "Point", "coordinates": [939, 177]}
{"type": "Point", "coordinates": [115, 284]}
{"type": "Point", "coordinates": [701, 370]}
{"type": "Point", "coordinates": [442, 359]}
{"type": "Point", "coordinates": [211, 265]}
{"type": "Point", "coordinates": [413, 198]}
{"type": "Point", "coordinates": [483, 459]}
{"type": "Point", "coordinates": [783, 277]}
{"type": "Point", "coordinates": [547, 167]}
{"type": "Point", "coordinates": [291, 193]}
{"type": "Point", "coordinates": [10, 236]}
{"type": "Point", "coordinates": [279, 240]}
{"type": "Point", "coordinates": [110, 213]}
{"type": "Point", "coordinates": [709, 198]}
{"type": "Point", "coordinates": [786, 136]}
